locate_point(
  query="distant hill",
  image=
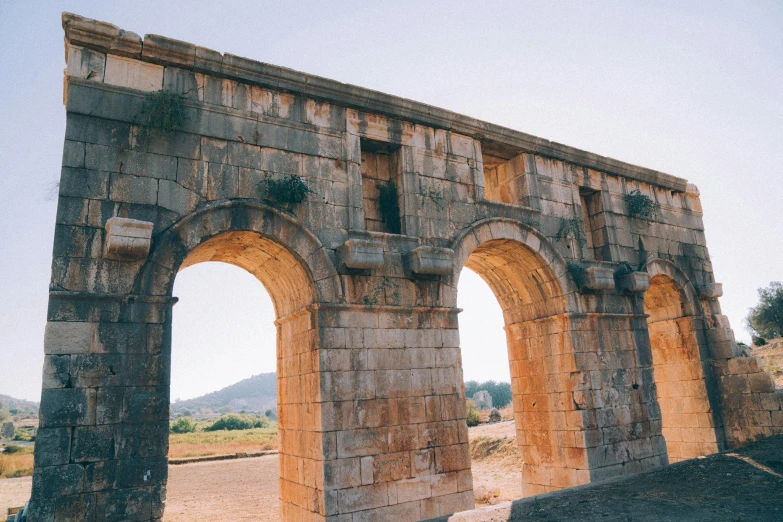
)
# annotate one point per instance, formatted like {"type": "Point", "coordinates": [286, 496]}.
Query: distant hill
{"type": "Point", "coordinates": [256, 394]}
{"type": "Point", "coordinates": [18, 406]}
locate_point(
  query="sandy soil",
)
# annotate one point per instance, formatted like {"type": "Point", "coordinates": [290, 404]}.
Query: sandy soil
{"type": "Point", "coordinates": [498, 430]}
{"type": "Point", "coordinates": [243, 489]}
{"type": "Point", "coordinates": [14, 492]}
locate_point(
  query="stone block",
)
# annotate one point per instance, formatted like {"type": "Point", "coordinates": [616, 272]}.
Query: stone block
{"type": "Point", "coordinates": [426, 260]}
{"type": "Point", "coordinates": [761, 382]}
{"type": "Point", "coordinates": [84, 183]}
{"type": "Point", "coordinates": [92, 443]}
{"type": "Point", "coordinates": [635, 282]}
{"type": "Point", "coordinates": [56, 372]}
{"type": "Point", "coordinates": [101, 36]}
{"type": "Point", "coordinates": [710, 291]}
{"type": "Point", "coordinates": [62, 337]}
{"type": "Point", "coordinates": [133, 74]}
{"type": "Point", "coordinates": [360, 254]}
{"type": "Point", "coordinates": [133, 189]}
{"type": "Point", "coordinates": [127, 239]}
{"type": "Point", "coordinates": [175, 197]}
{"type": "Point", "coordinates": [84, 63]}
{"type": "Point", "coordinates": [67, 407]}
{"type": "Point", "coordinates": [58, 481]}
{"type": "Point", "coordinates": [742, 365]}
{"type": "Point", "coordinates": [52, 447]}
{"type": "Point", "coordinates": [168, 51]}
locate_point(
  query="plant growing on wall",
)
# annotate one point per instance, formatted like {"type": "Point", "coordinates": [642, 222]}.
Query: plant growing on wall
{"type": "Point", "coordinates": [284, 192]}
{"type": "Point", "coordinates": [641, 206]}
{"type": "Point", "coordinates": [572, 228]}
{"type": "Point", "coordinates": [389, 206]}
{"type": "Point", "coordinates": [161, 110]}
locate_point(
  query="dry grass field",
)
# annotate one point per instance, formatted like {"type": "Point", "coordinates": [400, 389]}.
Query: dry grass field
{"type": "Point", "coordinates": [207, 443]}
{"type": "Point", "coordinates": [17, 464]}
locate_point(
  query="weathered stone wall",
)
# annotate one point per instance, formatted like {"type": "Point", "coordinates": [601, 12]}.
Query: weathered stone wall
{"type": "Point", "coordinates": [371, 397]}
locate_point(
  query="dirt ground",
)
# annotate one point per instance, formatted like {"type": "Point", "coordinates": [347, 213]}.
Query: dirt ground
{"type": "Point", "coordinates": [746, 485]}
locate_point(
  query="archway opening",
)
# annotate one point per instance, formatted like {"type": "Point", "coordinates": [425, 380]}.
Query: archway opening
{"type": "Point", "coordinates": [687, 420]}
{"type": "Point", "coordinates": [291, 291]}
{"type": "Point", "coordinates": [224, 395]}
{"type": "Point", "coordinates": [541, 361]}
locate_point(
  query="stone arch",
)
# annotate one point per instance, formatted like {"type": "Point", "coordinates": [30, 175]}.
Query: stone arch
{"type": "Point", "coordinates": [531, 282]}
{"type": "Point", "coordinates": [680, 367]}
{"type": "Point", "coordinates": [688, 296]}
{"type": "Point", "coordinates": [256, 237]}
{"type": "Point", "coordinates": [298, 274]}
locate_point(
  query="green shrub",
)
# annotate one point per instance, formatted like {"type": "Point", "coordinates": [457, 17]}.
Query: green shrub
{"type": "Point", "coordinates": [232, 422]}
{"type": "Point", "coordinates": [161, 110]}
{"type": "Point", "coordinates": [641, 205]}
{"type": "Point", "coordinates": [284, 192]}
{"type": "Point", "coordinates": [473, 418]}
{"type": "Point", "coordinates": [13, 448]}
{"type": "Point", "coordinates": [759, 341]}
{"type": "Point", "coordinates": [183, 425]}
{"type": "Point", "coordinates": [23, 435]}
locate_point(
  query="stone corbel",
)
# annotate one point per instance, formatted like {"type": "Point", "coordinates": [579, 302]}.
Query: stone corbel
{"type": "Point", "coordinates": [593, 276]}
{"type": "Point", "coordinates": [710, 290]}
{"type": "Point", "coordinates": [360, 254]}
{"type": "Point", "coordinates": [127, 239]}
{"type": "Point", "coordinates": [430, 261]}
{"type": "Point", "coordinates": [632, 283]}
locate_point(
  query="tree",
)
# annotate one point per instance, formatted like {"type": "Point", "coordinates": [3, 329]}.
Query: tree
{"type": "Point", "coordinates": [473, 418]}
{"type": "Point", "coordinates": [766, 319]}
{"type": "Point", "coordinates": [183, 425]}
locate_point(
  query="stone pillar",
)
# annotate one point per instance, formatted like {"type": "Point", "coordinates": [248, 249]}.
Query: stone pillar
{"type": "Point", "coordinates": [393, 410]}
{"type": "Point", "coordinates": [102, 444]}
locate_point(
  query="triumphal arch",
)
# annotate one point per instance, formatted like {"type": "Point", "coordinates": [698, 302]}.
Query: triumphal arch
{"type": "Point", "coordinates": [358, 211]}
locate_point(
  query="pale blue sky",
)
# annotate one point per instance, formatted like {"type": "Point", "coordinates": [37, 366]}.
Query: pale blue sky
{"type": "Point", "coordinates": [689, 88]}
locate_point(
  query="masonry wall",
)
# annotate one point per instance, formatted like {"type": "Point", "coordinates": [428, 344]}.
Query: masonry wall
{"type": "Point", "coordinates": [372, 406]}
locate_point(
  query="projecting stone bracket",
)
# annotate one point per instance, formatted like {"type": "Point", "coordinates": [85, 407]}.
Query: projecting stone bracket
{"type": "Point", "coordinates": [632, 283]}
{"type": "Point", "coordinates": [360, 254]}
{"type": "Point", "coordinates": [710, 291]}
{"type": "Point", "coordinates": [427, 261]}
{"type": "Point", "coordinates": [127, 239]}
{"type": "Point", "coordinates": [592, 277]}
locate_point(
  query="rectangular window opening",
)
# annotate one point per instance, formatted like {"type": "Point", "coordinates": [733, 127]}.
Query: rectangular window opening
{"type": "Point", "coordinates": [592, 215]}
{"type": "Point", "coordinates": [381, 173]}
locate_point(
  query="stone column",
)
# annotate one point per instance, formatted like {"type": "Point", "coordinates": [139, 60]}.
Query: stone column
{"type": "Point", "coordinates": [102, 445]}
{"type": "Point", "coordinates": [393, 409]}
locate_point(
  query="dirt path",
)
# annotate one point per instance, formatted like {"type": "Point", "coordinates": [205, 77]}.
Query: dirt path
{"type": "Point", "coordinates": [243, 489]}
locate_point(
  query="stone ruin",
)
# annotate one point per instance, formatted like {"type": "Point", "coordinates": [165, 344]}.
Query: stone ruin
{"type": "Point", "coordinates": [620, 358]}
{"type": "Point", "coordinates": [7, 430]}
{"type": "Point", "coordinates": [494, 416]}
{"type": "Point", "coordinates": [483, 400]}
